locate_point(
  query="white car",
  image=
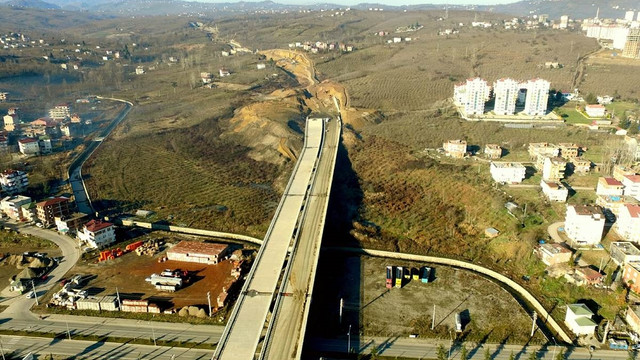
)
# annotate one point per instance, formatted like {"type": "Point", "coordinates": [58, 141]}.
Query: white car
{"type": "Point", "coordinates": [31, 295]}
{"type": "Point", "coordinates": [40, 225]}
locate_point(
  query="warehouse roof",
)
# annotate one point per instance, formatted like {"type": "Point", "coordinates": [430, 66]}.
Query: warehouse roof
{"type": "Point", "coordinates": [194, 247]}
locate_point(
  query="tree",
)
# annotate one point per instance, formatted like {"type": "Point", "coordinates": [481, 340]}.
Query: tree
{"type": "Point", "coordinates": [441, 353]}
{"type": "Point", "coordinates": [487, 354]}
{"type": "Point", "coordinates": [633, 128]}
{"type": "Point", "coordinates": [533, 356]}
{"type": "Point", "coordinates": [512, 357]}
{"type": "Point", "coordinates": [464, 353]}
{"type": "Point", "coordinates": [560, 355]}
{"type": "Point", "coordinates": [591, 99]}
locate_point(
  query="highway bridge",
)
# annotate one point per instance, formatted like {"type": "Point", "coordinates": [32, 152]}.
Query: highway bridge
{"type": "Point", "coordinates": [284, 268]}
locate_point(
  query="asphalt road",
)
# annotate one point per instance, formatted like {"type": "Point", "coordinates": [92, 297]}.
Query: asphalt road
{"type": "Point", "coordinates": [21, 346]}
{"type": "Point", "coordinates": [75, 170]}
{"type": "Point", "coordinates": [19, 305]}
{"type": "Point", "coordinates": [427, 349]}
{"type": "Point", "coordinates": [284, 340]}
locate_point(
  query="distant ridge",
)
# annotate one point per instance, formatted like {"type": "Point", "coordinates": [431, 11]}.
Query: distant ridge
{"type": "Point", "coordinates": [36, 4]}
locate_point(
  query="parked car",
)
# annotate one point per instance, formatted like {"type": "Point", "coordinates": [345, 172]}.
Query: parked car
{"type": "Point", "coordinates": [31, 295]}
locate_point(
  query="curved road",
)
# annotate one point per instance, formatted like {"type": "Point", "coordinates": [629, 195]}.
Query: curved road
{"type": "Point", "coordinates": [80, 193]}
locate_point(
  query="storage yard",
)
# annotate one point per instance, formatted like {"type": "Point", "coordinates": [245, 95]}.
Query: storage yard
{"type": "Point", "coordinates": [389, 310]}
{"type": "Point", "coordinates": [149, 279]}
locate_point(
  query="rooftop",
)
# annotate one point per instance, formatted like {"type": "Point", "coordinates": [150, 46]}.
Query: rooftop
{"type": "Point", "coordinates": [507, 165]}
{"type": "Point", "coordinates": [634, 210]}
{"type": "Point", "coordinates": [626, 247]}
{"type": "Point", "coordinates": [554, 249]}
{"type": "Point", "coordinates": [97, 225]}
{"type": "Point", "coordinates": [586, 209]}
{"type": "Point", "coordinates": [194, 247]}
{"type": "Point", "coordinates": [611, 181]}
{"type": "Point", "coordinates": [52, 201]}
{"type": "Point", "coordinates": [633, 178]}
{"type": "Point", "coordinates": [580, 309]}
{"type": "Point", "coordinates": [27, 140]}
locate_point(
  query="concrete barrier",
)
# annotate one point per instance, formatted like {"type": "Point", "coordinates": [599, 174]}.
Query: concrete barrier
{"type": "Point", "coordinates": [190, 231]}
{"type": "Point", "coordinates": [526, 295]}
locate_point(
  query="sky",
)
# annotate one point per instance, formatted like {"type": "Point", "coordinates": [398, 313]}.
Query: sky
{"type": "Point", "coordinates": [386, 2]}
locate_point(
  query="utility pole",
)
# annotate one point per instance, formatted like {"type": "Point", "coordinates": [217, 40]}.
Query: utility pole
{"type": "Point", "coordinates": [533, 325]}
{"type": "Point", "coordinates": [35, 295]}
{"type": "Point", "coordinates": [2, 351]}
{"type": "Point", "coordinates": [433, 318]}
{"type": "Point", "coordinates": [118, 297]}
{"type": "Point", "coordinates": [209, 300]}
{"type": "Point", "coordinates": [68, 332]}
{"type": "Point", "coordinates": [349, 340]}
{"type": "Point", "coordinates": [450, 346]}
{"type": "Point", "coordinates": [341, 307]}
{"type": "Point", "coordinates": [153, 333]}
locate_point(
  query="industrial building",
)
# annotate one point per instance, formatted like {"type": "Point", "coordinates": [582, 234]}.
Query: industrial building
{"type": "Point", "coordinates": [579, 319]}
{"type": "Point", "coordinates": [198, 252]}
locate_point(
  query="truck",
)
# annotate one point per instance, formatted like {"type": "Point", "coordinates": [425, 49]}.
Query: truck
{"type": "Point", "coordinates": [425, 274]}
{"type": "Point", "coordinates": [156, 279]}
{"type": "Point", "coordinates": [415, 274]}
{"type": "Point", "coordinates": [389, 277]}
{"type": "Point", "coordinates": [618, 344]}
{"type": "Point", "coordinates": [399, 273]}
{"type": "Point", "coordinates": [407, 273]}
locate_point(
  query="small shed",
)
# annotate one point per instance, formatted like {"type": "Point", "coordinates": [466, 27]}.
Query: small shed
{"type": "Point", "coordinates": [491, 232]}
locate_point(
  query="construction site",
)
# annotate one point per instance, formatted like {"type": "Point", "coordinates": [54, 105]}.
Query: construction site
{"type": "Point", "coordinates": [145, 277]}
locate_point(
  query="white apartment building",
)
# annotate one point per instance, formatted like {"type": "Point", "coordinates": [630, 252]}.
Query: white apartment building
{"type": "Point", "coordinates": [632, 186]}
{"type": "Point", "coordinates": [60, 112]}
{"type": "Point", "coordinates": [616, 33]}
{"type": "Point", "coordinates": [537, 97]}
{"type": "Point", "coordinates": [628, 223]}
{"type": "Point", "coordinates": [507, 173]}
{"type": "Point", "coordinates": [554, 191]}
{"type": "Point", "coordinates": [584, 224]}
{"type": "Point", "coordinates": [472, 95]}
{"type": "Point", "coordinates": [12, 206]}
{"type": "Point", "coordinates": [628, 16]}
{"type": "Point", "coordinates": [29, 146]}
{"type": "Point", "coordinates": [13, 181]}
{"type": "Point", "coordinates": [564, 21]}
{"type": "Point", "coordinates": [506, 94]}
{"type": "Point", "coordinates": [609, 186]}
{"type": "Point", "coordinates": [97, 234]}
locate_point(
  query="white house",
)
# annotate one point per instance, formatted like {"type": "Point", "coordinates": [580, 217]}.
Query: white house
{"type": "Point", "coordinates": [632, 186]}
{"type": "Point", "coordinates": [578, 319]}
{"type": "Point", "coordinates": [29, 146]}
{"type": "Point", "coordinates": [609, 186]}
{"type": "Point", "coordinates": [554, 191]}
{"type": "Point", "coordinates": [628, 222]}
{"type": "Point", "coordinates": [97, 234]}
{"type": "Point", "coordinates": [508, 173]}
{"type": "Point", "coordinates": [595, 111]}
{"type": "Point", "coordinates": [584, 224]}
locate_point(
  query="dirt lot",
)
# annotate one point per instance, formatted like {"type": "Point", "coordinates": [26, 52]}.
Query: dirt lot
{"type": "Point", "coordinates": [400, 312]}
{"type": "Point", "coordinates": [128, 274]}
{"type": "Point", "coordinates": [12, 243]}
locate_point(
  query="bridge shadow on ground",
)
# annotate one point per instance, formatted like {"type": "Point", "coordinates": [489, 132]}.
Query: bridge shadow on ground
{"type": "Point", "coordinates": [338, 275]}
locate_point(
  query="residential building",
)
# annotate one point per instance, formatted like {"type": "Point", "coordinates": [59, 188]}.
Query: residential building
{"type": "Point", "coordinates": [29, 212]}
{"type": "Point", "coordinates": [206, 77]}
{"type": "Point", "coordinates": [553, 169]}
{"type": "Point", "coordinates": [224, 72]}
{"type": "Point", "coordinates": [97, 234]}
{"type": "Point", "coordinates": [633, 144]}
{"type": "Point", "coordinates": [544, 149]}
{"type": "Point", "coordinates": [584, 224]}
{"type": "Point", "coordinates": [580, 166]}
{"type": "Point", "coordinates": [564, 22]}
{"type": "Point", "coordinates": [11, 122]}
{"type": "Point", "coordinates": [71, 223]}
{"type": "Point", "coordinates": [537, 97]}
{"type": "Point", "coordinates": [198, 252]}
{"type": "Point", "coordinates": [60, 112]}
{"type": "Point", "coordinates": [628, 222]}
{"type": "Point", "coordinates": [588, 276]}
{"type": "Point", "coordinates": [609, 186]}
{"type": "Point", "coordinates": [623, 252]}
{"type": "Point", "coordinates": [3, 96]}
{"type": "Point", "coordinates": [595, 110]}
{"type": "Point", "coordinates": [506, 94]}
{"type": "Point", "coordinates": [472, 95]}
{"type": "Point", "coordinates": [493, 151]}
{"type": "Point", "coordinates": [51, 208]}
{"type": "Point", "coordinates": [632, 316]}
{"type": "Point", "coordinates": [632, 186]}
{"type": "Point", "coordinates": [569, 151]}
{"type": "Point", "coordinates": [628, 16]}
{"type": "Point", "coordinates": [631, 276]}
{"type": "Point", "coordinates": [13, 181]}
{"type": "Point", "coordinates": [613, 203]}
{"type": "Point", "coordinates": [261, 66]}
{"type": "Point", "coordinates": [620, 171]}
{"type": "Point", "coordinates": [552, 254]}
{"type": "Point", "coordinates": [44, 143]}
{"type": "Point", "coordinates": [507, 173]}
{"type": "Point", "coordinates": [139, 70]}
{"type": "Point", "coordinates": [632, 45]}
{"type": "Point", "coordinates": [554, 191]}
{"type": "Point", "coordinates": [75, 119]}
{"type": "Point", "coordinates": [12, 206]}
{"type": "Point", "coordinates": [4, 144]}
{"type": "Point", "coordinates": [578, 319]}
{"type": "Point", "coordinates": [455, 148]}
{"type": "Point", "coordinates": [29, 146]}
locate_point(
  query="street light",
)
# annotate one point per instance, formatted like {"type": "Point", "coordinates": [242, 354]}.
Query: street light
{"type": "Point", "coordinates": [451, 345]}
{"type": "Point", "coordinates": [349, 340]}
